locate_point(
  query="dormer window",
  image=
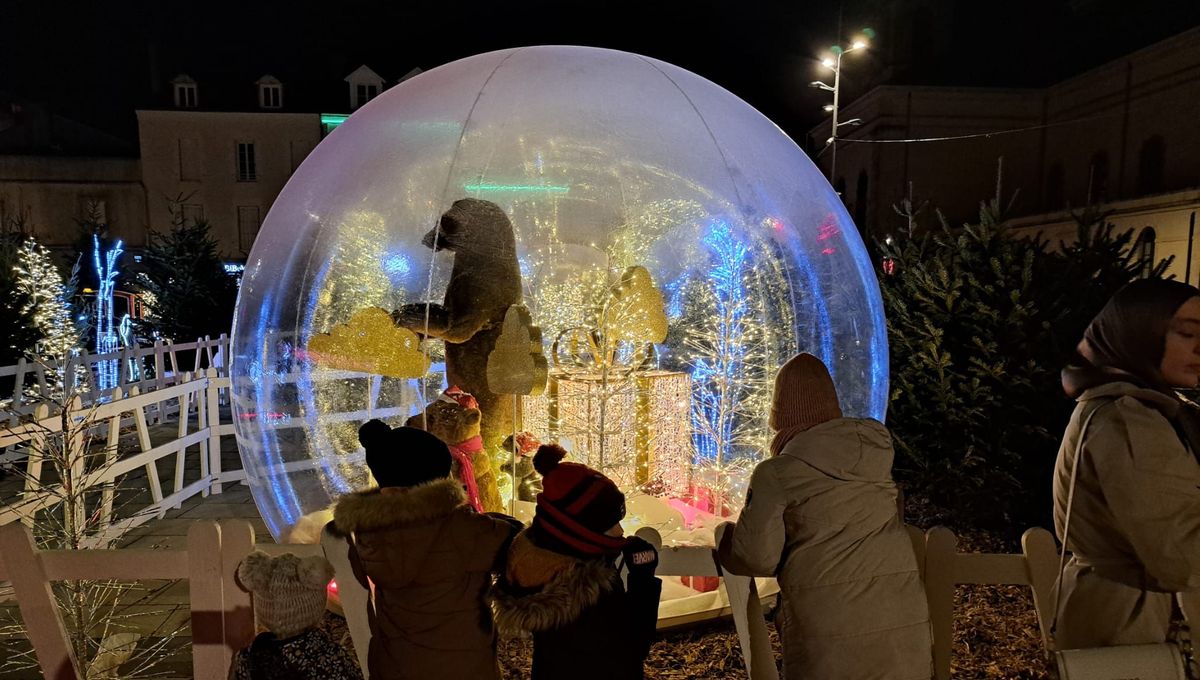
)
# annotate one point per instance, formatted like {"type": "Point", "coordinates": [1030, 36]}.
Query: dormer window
{"type": "Point", "coordinates": [364, 94]}
{"type": "Point", "coordinates": [186, 95]}
{"type": "Point", "coordinates": [270, 93]}
{"type": "Point", "coordinates": [365, 85]}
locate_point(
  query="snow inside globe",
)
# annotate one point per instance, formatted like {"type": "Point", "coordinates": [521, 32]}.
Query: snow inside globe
{"type": "Point", "coordinates": [548, 244]}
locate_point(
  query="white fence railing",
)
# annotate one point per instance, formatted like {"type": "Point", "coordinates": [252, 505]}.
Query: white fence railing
{"type": "Point", "coordinates": [222, 615]}
{"type": "Point", "coordinates": [146, 368]}
{"type": "Point", "coordinates": [193, 395]}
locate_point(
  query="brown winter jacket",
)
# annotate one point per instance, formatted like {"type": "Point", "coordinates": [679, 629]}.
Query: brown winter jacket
{"type": "Point", "coordinates": [1135, 526]}
{"type": "Point", "coordinates": [431, 558]}
{"type": "Point", "coordinates": [821, 516]}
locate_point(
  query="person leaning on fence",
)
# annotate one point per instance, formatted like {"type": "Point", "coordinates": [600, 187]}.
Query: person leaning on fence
{"type": "Point", "coordinates": [289, 601]}
{"type": "Point", "coordinates": [1135, 518]}
{"type": "Point", "coordinates": [430, 556]}
{"type": "Point", "coordinates": [563, 580]}
{"type": "Point", "coordinates": [820, 515]}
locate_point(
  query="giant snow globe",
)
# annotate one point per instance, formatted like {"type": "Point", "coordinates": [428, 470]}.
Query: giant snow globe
{"type": "Point", "coordinates": [548, 244]}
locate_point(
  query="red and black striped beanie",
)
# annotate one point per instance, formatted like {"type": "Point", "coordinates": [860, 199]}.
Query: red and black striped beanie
{"type": "Point", "coordinates": [577, 505]}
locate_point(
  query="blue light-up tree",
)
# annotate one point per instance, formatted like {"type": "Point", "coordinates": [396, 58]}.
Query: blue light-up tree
{"type": "Point", "coordinates": [721, 348]}
{"type": "Point", "coordinates": [736, 323]}
{"type": "Point", "coordinates": [106, 337]}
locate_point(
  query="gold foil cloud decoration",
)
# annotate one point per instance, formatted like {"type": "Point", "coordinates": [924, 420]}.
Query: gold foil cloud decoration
{"type": "Point", "coordinates": [370, 343]}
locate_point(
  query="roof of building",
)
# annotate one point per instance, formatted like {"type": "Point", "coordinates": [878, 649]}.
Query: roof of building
{"type": "Point", "coordinates": [30, 128]}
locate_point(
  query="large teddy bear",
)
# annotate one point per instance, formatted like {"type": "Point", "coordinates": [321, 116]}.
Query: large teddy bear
{"type": "Point", "coordinates": [484, 282]}
{"type": "Point", "coordinates": [454, 418]}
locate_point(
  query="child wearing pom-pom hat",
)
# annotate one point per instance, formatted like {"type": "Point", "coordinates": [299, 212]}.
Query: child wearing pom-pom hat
{"type": "Point", "coordinates": [563, 581]}
{"type": "Point", "coordinates": [289, 601]}
{"type": "Point", "coordinates": [430, 557]}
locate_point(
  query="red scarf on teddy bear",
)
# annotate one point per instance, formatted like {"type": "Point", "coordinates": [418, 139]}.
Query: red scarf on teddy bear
{"type": "Point", "coordinates": [464, 451]}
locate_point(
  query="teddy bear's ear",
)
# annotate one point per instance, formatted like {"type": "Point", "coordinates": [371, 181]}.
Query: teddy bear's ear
{"type": "Point", "coordinates": [452, 219]}
{"type": "Point", "coordinates": [254, 573]}
{"type": "Point", "coordinates": [417, 421]}
{"type": "Point", "coordinates": [472, 416]}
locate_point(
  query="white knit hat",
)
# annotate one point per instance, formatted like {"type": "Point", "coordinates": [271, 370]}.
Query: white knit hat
{"type": "Point", "coordinates": [289, 592]}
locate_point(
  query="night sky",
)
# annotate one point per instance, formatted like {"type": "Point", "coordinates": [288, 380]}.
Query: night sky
{"type": "Point", "coordinates": [97, 61]}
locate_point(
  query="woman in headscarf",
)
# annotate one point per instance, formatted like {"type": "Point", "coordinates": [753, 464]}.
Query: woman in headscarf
{"type": "Point", "coordinates": [1135, 518]}
{"type": "Point", "coordinates": [821, 516]}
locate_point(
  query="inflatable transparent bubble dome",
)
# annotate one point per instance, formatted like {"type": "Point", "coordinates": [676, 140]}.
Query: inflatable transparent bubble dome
{"type": "Point", "coordinates": [602, 250]}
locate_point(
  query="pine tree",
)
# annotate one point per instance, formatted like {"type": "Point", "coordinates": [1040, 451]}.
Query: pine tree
{"type": "Point", "coordinates": [190, 295]}
{"type": "Point", "coordinates": [981, 321]}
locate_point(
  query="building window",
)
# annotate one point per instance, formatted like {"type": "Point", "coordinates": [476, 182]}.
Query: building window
{"type": "Point", "coordinates": [365, 85]}
{"type": "Point", "coordinates": [248, 224]}
{"type": "Point", "coordinates": [270, 93]}
{"type": "Point", "coordinates": [365, 93]}
{"type": "Point", "coordinates": [1150, 165]}
{"type": "Point", "coordinates": [186, 96]}
{"type": "Point", "coordinates": [247, 170]}
{"type": "Point", "coordinates": [1055, 195]}
{"type": "Point", "coordinates": [299, 151]}
{"type": "Point", "coordinates": [1098, 178]}
{"type": "Point", "coordinates": [860, 202]}
{"type": "Point", "coordinates": [191, 162]}
{"type": "Point", "coordinates": [191, 213]}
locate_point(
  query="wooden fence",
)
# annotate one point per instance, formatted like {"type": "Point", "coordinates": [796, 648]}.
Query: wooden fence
{"type": "Point", "coordinates": [222, 618]}
{"type": "Point", "coordinates": [221, 613]}
{"type": "Point", "coordinates": [196, 395]}
{"type": "Point", "coordinates": [146, 368]}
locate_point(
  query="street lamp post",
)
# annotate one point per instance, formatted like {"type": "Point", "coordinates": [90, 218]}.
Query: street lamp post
{"type": "Point", "coordinates": [834, 63]}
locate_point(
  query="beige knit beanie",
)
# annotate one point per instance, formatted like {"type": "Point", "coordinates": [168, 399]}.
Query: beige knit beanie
{"type": "Point", "coordinates": [804, 395]}
{"type": "Point", "coordinates": [289, 592]}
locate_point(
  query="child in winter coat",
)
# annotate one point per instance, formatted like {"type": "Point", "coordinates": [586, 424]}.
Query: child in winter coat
{"type": "Point", "coordinates": [430, 557]}
{"type": "Point", "coordinates": [563, 582]}
{"type": "Point", "coordinates": [289, 601]}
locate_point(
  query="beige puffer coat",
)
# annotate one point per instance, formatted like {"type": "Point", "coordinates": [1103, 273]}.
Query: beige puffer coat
{"type": "Point", "coordinates": [821, 516]}
{"type": "Point", "coordinates": [1135, 526]}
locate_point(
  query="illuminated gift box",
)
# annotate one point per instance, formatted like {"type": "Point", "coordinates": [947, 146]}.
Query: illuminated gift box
{"type": "Point", "coordinates": [634, 427]}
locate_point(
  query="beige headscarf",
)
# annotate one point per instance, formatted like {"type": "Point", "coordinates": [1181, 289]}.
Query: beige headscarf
{"type": "Point", "coordinates": [804, 397]}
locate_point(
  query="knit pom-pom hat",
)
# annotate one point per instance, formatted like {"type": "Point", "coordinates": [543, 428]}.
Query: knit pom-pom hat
{"type": "Point", "coordinates": [576, 507]}
{"type": "Point", "coordinates": [289, 591]}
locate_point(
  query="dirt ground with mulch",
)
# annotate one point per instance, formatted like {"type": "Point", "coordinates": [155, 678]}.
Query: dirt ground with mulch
{"type": "Point", "coordinates": [995, 627]}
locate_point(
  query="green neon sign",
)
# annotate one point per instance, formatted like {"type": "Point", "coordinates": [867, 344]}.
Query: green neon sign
{"type": "Point", "coordinates": [516, 188]}
{"type": "Point", "coordinates": [332, 120]}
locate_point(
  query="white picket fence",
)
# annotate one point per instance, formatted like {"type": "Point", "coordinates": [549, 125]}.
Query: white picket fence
{"type": "Point", "coordinates": [162, 360]}
{"type": "Point", "coordinates": [222, 615]}
{"type": "Point", "coordinates": [194, 394]}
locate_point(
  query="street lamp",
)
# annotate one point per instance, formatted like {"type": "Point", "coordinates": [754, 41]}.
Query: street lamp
{"type": "Point", "coordinates": [834, 63]}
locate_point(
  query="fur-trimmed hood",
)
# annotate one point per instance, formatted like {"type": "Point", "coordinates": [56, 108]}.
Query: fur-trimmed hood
{"type": "Point", "coordinates": [374, 510]}
{"type": "Point", "coordinates": [574, 588]}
